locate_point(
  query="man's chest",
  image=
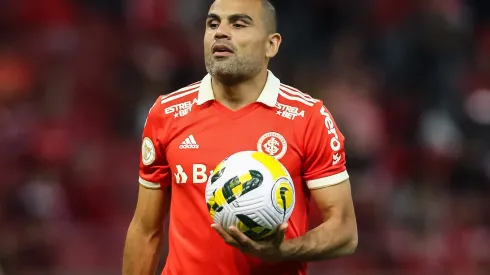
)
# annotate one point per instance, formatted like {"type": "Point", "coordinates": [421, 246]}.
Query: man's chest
{"type": "Point", "coordinates": [195, 150]}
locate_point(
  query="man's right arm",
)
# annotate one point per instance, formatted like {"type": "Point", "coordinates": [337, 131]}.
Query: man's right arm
{"type": "Point", "coordinates": [145, 232]}
{"type": "Point", "coordinates": [146, 229]}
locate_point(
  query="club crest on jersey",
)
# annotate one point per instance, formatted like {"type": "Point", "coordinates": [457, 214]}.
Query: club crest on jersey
{"type": "Point", "coordinates": [273, 144]}
{"type": "Point", "coordinates": [147, 151]}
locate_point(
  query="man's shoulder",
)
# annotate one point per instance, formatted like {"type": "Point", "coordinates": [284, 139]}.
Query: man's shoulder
{"type": "Point", "coordinates": [181, 95]}
{"type": "Point", "coordinates": [297, 98]}
{"type": "Point", "coordinates": [293, 102]}
{"type": "Point", "coordinates": [178, 103]}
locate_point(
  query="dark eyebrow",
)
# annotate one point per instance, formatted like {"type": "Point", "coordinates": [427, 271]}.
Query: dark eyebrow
{"type": "Point", "coordinates": [213, 16]}
{"type": "Point", "coordinates": [240, 16]}
{"type": "Point", "coordinates": [232, 18]}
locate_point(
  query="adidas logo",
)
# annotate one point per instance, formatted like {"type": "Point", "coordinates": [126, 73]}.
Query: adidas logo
{"type": "Point", "coordinates": [189, 143]}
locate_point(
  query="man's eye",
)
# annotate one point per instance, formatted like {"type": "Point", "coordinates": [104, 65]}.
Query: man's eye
{"type": "Point", "coordinates": [238, 26]}
{"type": "Point", "coordinates": [213, 25]}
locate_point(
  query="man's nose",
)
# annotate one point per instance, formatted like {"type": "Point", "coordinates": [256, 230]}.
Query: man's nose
{"type": "Point", "coordinates": [223, 32]}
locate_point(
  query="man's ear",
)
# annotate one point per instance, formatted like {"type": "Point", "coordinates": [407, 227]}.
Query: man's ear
{"type": "Point", "coordinates": [273, 44]}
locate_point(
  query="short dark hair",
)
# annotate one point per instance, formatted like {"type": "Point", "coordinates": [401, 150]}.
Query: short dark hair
{"type": "Point", "coordinates": [270, 16]}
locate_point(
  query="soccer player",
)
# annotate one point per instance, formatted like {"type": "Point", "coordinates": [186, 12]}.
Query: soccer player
{"type": "Point", "coordinates": [240, 105]}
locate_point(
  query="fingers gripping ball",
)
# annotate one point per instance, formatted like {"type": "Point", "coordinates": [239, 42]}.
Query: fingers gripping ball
{"type": "Point", "coordinates": [252, 191]}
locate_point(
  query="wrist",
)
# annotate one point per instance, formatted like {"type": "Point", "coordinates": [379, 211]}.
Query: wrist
{"type": "Point", "coordinates": [286, 250]}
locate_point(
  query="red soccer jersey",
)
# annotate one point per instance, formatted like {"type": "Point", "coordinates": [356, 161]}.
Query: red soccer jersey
{"type": "Point", "coordinates": [187, 133]}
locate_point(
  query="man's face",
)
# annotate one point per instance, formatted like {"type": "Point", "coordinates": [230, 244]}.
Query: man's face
{"type": "Point", "coordinates": [236, 39]}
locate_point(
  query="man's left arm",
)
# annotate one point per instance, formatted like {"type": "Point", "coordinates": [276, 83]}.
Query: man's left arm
{"type": "Point", "coordinates": [326, 176]}
{"type": "Point", "coordinates": [336, 236]}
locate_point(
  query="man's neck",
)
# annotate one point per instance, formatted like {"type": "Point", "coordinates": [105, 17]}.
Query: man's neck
{"type": "Point", "coordinates": [240, 94]}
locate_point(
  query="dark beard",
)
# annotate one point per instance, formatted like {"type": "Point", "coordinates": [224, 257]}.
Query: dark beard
{"type": "Point", "coordinates": [232, 73]}
{"type": "Point", "coordinates": [228, 79]}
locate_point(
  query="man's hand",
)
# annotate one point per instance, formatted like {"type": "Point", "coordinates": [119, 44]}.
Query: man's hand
{"type": "Point", "coordinates": [269, 250]}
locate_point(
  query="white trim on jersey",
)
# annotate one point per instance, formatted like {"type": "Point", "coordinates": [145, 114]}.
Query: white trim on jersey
{"type": "Point", "coordinates": [295, 98]}
{"type": "Point", "coordinates": [327, 181]}
{"type": "Point", "coordinates": [186, 88]}
{"type": "Point", "coordinates": [149, 184]}
{"type": "Point", "coordinates": [179, 95]}
{"type": "Point", "coordinates": [268, 96]}
{"type": "Point", "coordinates": [295, 92]}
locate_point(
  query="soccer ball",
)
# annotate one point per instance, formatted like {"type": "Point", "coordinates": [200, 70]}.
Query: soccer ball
{"type": "Point", "coordinates": [251, 191]}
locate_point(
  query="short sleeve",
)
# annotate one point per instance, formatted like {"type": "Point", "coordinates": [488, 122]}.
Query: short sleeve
{"type": "Point", "coordinates": [154, 171]}
{"type": "Point", "coordinates": [324, 159]}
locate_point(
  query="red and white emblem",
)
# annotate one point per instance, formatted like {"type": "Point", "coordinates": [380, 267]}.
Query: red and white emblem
{"type": "Point", "coordinates": [273, 144]}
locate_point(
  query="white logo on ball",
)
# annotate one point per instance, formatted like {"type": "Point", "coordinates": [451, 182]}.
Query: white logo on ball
{"type": "Point", "coordinates": [147, 151]}
{"type": "Point", "coordinates": [272, 143]}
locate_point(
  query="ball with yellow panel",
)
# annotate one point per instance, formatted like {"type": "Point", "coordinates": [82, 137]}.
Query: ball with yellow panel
{"type": "Point", "coordinates": [252, 191]}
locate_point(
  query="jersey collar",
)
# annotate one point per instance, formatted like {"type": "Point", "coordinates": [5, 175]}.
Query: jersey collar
{"type": "Point", "coordinates": [268, 96]}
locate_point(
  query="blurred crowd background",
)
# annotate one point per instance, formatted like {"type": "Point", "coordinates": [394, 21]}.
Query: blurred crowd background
{"type": "Point", "coordinates": [408, 82]}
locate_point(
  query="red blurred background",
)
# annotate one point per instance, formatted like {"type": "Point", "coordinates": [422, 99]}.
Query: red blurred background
{"type": "Point", "coordinates": [407, 81]}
